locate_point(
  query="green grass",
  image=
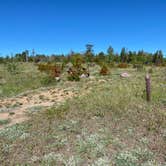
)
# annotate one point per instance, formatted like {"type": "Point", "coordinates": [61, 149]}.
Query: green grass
{"type": "Point", "coordinates": [4, 122]}
{"type": "Point", "coordinates": [26, 78]}
{"type": "Point", "coordinates": [108, 123]}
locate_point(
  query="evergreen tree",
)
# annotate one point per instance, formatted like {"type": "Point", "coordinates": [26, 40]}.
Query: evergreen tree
{"type": "Point", "coordinates": [123, 55]}
{"type": "Point", "coordinates": [89, 53]}
{"type": "Point", "coordinates": [158, 57]}
{"type": "Point", "coordinates": [110, 52]}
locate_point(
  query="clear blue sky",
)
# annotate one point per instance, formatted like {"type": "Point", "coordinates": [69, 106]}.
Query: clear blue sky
{"type": "Point", "coordinates": [59, 26]}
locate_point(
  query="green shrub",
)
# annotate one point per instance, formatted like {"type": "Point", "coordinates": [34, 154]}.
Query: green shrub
{"type": "Point", "coordinates": [77, 68]}
{"type": "Point", "coordinates": [74, 74]}
{"type": "Point", "coordinates": [73, 77]}
{"type": "Point", "coordinates": [77, 61]}
{"type": "Point", "coordinates": [4, 122]}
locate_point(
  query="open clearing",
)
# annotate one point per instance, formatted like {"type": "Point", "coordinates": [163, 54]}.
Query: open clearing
{"type": "Point", "coordinates": [98, 121]}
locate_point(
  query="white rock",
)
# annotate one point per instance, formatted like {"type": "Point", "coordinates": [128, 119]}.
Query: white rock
{"type": "Point", "coordinates": [125, 75]}
{"type": "Point", "coordinates": [57, 78]}
{"type": "Point", "coordinates": [83, 76]}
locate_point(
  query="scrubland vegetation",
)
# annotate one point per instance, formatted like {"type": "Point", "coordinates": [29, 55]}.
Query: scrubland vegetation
{"type": "Point", "coordinates": [107, 121]}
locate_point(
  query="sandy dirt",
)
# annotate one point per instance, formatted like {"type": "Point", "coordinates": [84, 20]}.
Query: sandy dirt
{"type": "Point", "coordinates": [15, 108]}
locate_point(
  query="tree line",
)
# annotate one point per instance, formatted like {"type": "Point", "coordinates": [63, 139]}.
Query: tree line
{"type": "Point", "coordinates": [125, 56]}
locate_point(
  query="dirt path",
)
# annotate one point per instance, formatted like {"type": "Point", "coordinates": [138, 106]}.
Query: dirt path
{"type": "Point", "coordinates": [14, 109]}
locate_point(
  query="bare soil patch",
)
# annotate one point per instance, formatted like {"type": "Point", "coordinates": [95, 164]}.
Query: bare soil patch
{"type": "Point", "coordinates": [15, 108]}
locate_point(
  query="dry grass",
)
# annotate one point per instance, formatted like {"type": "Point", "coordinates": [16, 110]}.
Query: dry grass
{"type": "Point", "coordinates": [108, 123]}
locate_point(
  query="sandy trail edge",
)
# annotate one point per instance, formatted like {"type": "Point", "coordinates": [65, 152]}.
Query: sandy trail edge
{"type": "Point", "coordinates": [15, 108]}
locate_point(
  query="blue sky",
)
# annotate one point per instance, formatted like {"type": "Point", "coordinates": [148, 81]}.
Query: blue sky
{"type": "Point", "coordinates": [59, 26]}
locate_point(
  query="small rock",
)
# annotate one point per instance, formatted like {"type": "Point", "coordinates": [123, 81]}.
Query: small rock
{"type": "Point", "coordinates": [57, 78]}
{"type": "Point", "coordinates": [102, 81]}
{"type": "Point", "coordinates": [82, 76]}
{"type": "Point", "coordinates": [124, 75]}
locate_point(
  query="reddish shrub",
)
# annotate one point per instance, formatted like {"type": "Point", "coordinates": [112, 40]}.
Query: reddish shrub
{"type": "Point", "coordinates": [122, 65]}
{"type": "Point", "coordinates": [54, 70]}
{"type": "Point", "coordinates": [104, 70]}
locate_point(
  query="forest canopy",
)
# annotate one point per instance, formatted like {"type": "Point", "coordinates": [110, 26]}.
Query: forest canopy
{"type": "Point", "coordinates": [125, 56]}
